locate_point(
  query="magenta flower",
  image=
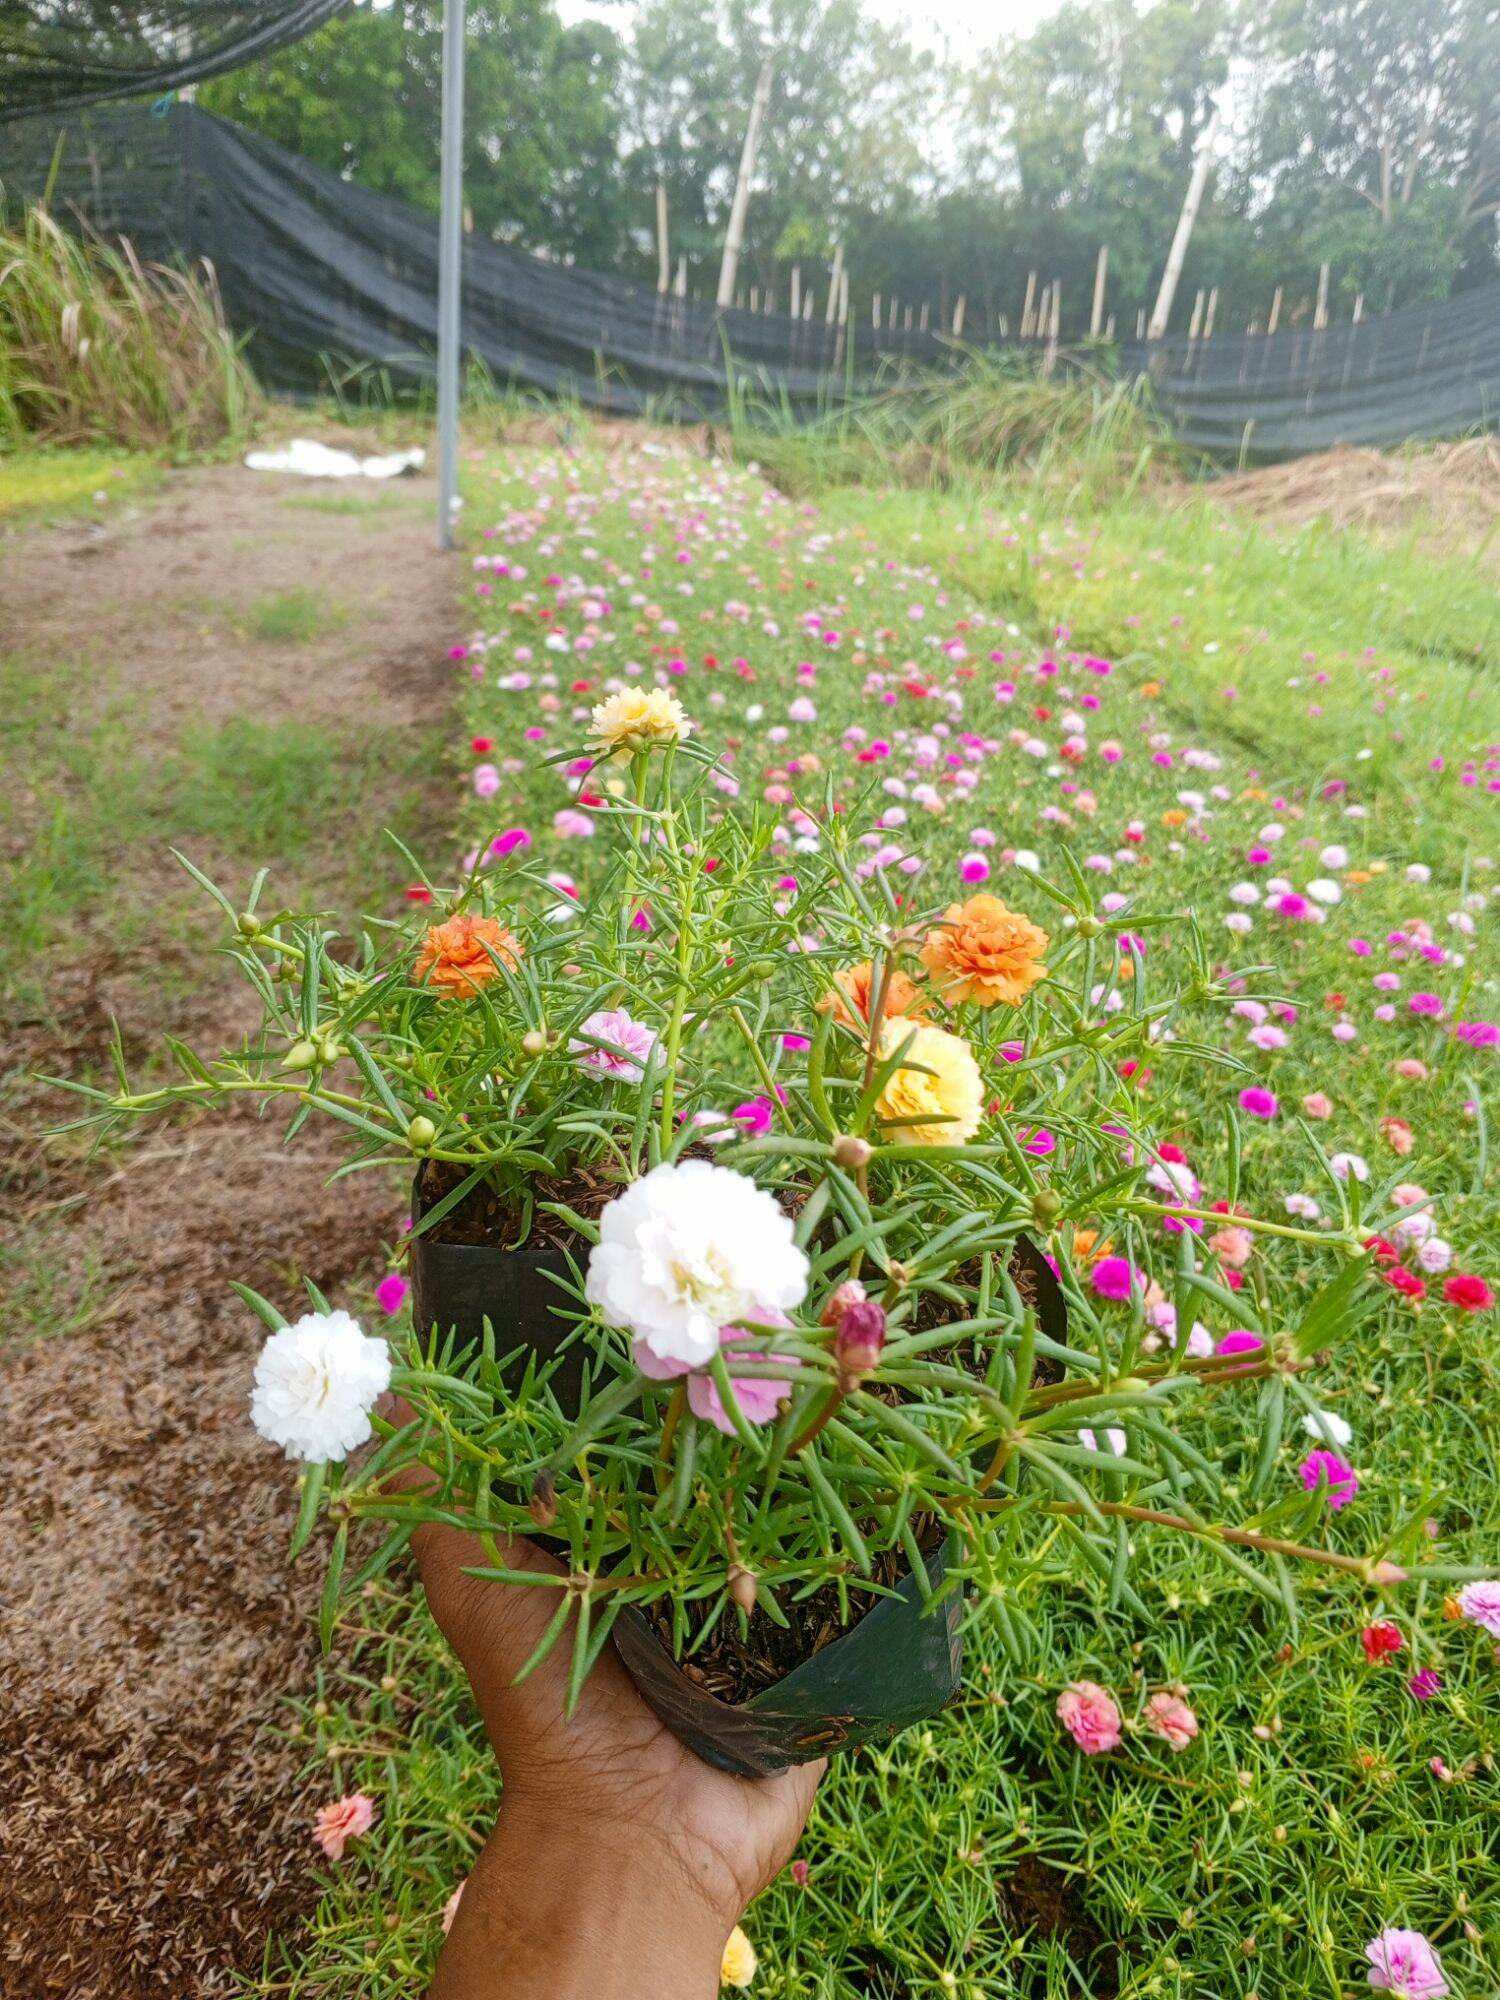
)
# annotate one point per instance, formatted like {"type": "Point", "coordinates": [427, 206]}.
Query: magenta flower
{"type": "Point", "coordinates": [1259, 1102]}
{"type": "Point", "coordinates": [1240, 1341]}
{"type": "Point", "coordinates": [1326, 1468]}
{"type": "Point", "coordinates": [1403, 1962]}
{"type": "Point", "coordinates": [1112, 1277]}
{"type": "Point", "coordinates": [1425, 1683]}
{"type": "Point", "coordinates": [390, 1293]}
{"type": "Point", "coordinates": [755, 1114]}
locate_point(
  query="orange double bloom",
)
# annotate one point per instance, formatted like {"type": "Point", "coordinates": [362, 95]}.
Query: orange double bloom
{"type": "Point", "coordinates": [460, 956]}
{"type": "Point", "coordinates": [985, 953]}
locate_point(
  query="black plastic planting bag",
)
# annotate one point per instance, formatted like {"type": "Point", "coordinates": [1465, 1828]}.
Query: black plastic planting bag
{"type": "Point", "coordinates": [900, 1662]}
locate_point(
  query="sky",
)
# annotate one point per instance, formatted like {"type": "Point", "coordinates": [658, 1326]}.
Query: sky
{"type": "Point", "coordinates": [967, 24]}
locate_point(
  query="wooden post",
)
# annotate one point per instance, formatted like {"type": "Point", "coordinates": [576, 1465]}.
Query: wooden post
{"type": "Point", "coordinates": [1101, 269]}
{"type": "Point", "coordinates": [1275, 313]}
{"type": "Point", "coordinates": [1196, 320]}
{"type": "Point", "coordinates": [834, 283]}
{"type": "Point", "coordinates": [1109, 327]}
{"type": "Point", "coordinates": [958, 315]}
{"type": "Point", "coordinates": [1192, 202]}
{"type": "Point", "coordinates": [755, 298]}
{"type": "Point", "coordinates": [926, 309]}
{"type": "Point", "coordinates": [1051, 321]}
{"type": "Point", "coordinates": [663, 252]}
{"type": "Point", "coordinates": [844, 297]}
{"type": "Point", "coordinates": [807, 304]}
{"type": "Point", "coordinates": [875, 311]}
{"type": "Point", "coordinates": [1140, 323]}
{"type": "Point", "coordinates": [1208, 317]}
{"type": "Point", "coordinates": [796, 291]}
{"type": "Point", "coordinates": [1320, 310]}
{"type": "Point", "coordinates": [739, 207]}
{"type": "Point", "coordinates": [1027, 304]}
{"type": "Point", "coordinates": [680, 288]}
{"type": "Point", "coordinates": [1359, 307]}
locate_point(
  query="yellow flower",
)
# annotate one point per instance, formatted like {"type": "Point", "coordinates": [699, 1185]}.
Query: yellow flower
{"type": "Point", "coordinates": [637, 718]}
{"type": "Point", "coordinates": [945, 1095]}
{"type": "Point", "coordinates": [737, 1967]}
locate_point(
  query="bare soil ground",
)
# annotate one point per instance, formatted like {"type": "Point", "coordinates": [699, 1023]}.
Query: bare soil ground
{"type": "Point", "coordinates": [155, 1820]}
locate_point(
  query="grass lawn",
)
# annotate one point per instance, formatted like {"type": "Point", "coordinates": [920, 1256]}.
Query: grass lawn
{"type": "Point", "coordinates": [49, 484]}
{"type": "Point", "coordinates": [1292, 743]}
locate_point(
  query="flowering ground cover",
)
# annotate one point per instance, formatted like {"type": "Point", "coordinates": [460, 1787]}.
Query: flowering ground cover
{"type": "Point", "coordinates": [1210, 1789]}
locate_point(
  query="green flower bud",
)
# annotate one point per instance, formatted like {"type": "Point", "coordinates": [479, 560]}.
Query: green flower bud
{"type": "Point", "coordinates": [303, 1054]}
{"type": "Point", "coordinates": [534, 1043]}
{"type": "Point", "coordinates": [1046, 1208]}
{"type": "Point", "coordinates": [420, 1134]}
{"type": "Point", "coordinates": [248, 924]}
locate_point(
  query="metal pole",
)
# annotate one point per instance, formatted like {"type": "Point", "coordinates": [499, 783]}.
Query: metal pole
{"type": "Point", "coordinates": [450, 265]}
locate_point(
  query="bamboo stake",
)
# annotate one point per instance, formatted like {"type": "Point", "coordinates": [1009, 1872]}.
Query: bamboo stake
{"type": "Point", "coordinates": [1101, 269]}
{"type": "Point", "coordinates": [1320, 310]}
{"type": "Point", "coordinates": [739, 207]}
{"type": "Point", "coordinates": [926, 309]}
{"type": "Point", "coordinates": [796, 291]}
{"type": "Point", "coordinates": [663, 251]}
{"type": "Point", "coordinates": [1192, 201]}
{"type": "Point", "coordinates": [958, 315]}
{"type": "Point", "coordinates": [1140, 323]}
{"type": "Point", "coordinates": [1195, 321]}
{"type": "Point", "coordinates": [834, 283]}
{"type": "Point", "coordinates": [1275, 313]}
{"type": "Point", "coordinates": [1026, 307]}
{"type": "Point", "coordinates": [1208, 317]}
{"type": "Point", "coordinates": [875, 311]}
{"type": "Point", "coordinates": [1359, 307]}
{"type": "Point", "coordinates": [680, 288]}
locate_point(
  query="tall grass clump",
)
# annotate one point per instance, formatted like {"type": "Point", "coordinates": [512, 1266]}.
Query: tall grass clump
{"type": "Point", "coordinates": [1066, 423]}
{"type": "Point", "coordinates": [97, 347]}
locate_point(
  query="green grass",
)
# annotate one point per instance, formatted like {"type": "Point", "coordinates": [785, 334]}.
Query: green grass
{"type": "Point", "coordinates": [52, 482]}
{"type": "Point", "coordinates": [293, 618]}
{"type": "Point", "coordinates": [981, 1855]}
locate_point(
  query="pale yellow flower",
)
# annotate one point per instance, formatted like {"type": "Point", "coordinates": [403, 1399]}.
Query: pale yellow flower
{"type": "Point", "coordinates": [737, 1968]}
{"type": "Point", "coordinates": [947, 1089]}
{"type": "Point", "coordinates": [637, 719]}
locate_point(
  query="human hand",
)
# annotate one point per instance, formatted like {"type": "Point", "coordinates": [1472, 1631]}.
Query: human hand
{"type": "Point", "coordinates": [620, 1862]}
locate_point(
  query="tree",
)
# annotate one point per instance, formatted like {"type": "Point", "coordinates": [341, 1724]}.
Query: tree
{"type": "Point", "coordinates": [363, 97]}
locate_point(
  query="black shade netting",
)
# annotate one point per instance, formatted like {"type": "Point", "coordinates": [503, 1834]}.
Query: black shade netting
{"type": "Point", "coordinates": [58, 54]}
{"type": "Point", "coordinates": [323, 275]}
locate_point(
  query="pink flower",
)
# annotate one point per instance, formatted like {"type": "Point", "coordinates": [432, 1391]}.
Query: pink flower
{"type": "Point", "coordinates": [628, 1045]}
{"type": "Point", "coordinates": [1378, 1640]}
{"type": "Point", "coordinates": [1232, 1245]}
{"type": "Point", "coordinates": [1088, 1713]}
{"type": "Point", "coordinates": [1326, 1468]}
{"type": "Point", "coordinates": [755, 1115]}
{"type": "Point", "coordinates": [345, 1820]}
{"type": "Point", "coordinates": [1424, 1684]}
{"type": "Point", "coordinates": [758, 1396]}
{"type": "Point", "coordinates": [1316, 1105]}
{"type": "Point", "coordinates": [1480, 1603]}
{"type": "Point", "coordinates": [973, 868]}
{"type": "Point", "coordinates": [1469, 1293]}
{"type": "Point", "coordinates": [1240, 1341]}
{"type": "Point", "coordinates": [1170, 1718]}
{"type": "Point", "coordinates": [1112, 1277]}
{"type": "Point", "coordinates": [390, 1293]}
{"type": "Point", "coordinates": [1404, 1962]}
{"type": "Point", "coordinates": [1258, 1102]}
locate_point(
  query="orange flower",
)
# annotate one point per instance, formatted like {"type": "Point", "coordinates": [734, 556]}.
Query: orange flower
{"type": "Point", "coordinates": [985, 953]}
{"type": "Point", "coordinates": [1174, 816]}
{"type": "Point", "coordinates": [456, 956]}
{"type": "Point", "coordinates": [1150, 689]}
{"type": "Point", "coordinates": [852, 998]}
{"type": "Point", "coordinates": [1087, 1246]}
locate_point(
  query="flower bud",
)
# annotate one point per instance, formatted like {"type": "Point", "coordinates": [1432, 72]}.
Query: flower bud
{"type": "Point", "coordinates": [420, 1134]}
{"type": "Point", "coordinates": [303, 1054]}
{"type": "Point", "coordinates": [859, 1342]}
{"type": "Point", "coordinates": [248, 924]}
{"type": "Point", "coordinates": [850, 1293]}
{"type": "Point", "coordinates": [852, 1153]}
{"type": "Point", "coordinates": [742, 1587]}
{"type": "Point", "coordinates": [1046, 1208]}
{"type": "Point", "coordinates": [330, 1049]}
{"type": "Point", "coordinates": [533, 1043]}
{"type": "Point", "coordinates": [543, 1503]}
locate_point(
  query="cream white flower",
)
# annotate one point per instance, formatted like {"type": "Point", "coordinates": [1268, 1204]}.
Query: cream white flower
{"type": "Point", "coordinates": [1328, 1427]}
{"type": "Point", "coordinates": [637, 718]}
{"type": "Point", "coordinates": [688, 1249]}
{"type": "Point", "coordinates": [315, 1384]}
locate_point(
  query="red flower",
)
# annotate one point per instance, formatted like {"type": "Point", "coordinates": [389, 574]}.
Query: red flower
{"type": "Point", "coordinates": [481, 745]}
{"type": "Point", "coordinates": [1378, 1640]}
{"type": "Point", "coordinates": [1469, 1293]}
{"type": "Point", "coordinates": [1385, 1252]}
{"type": "Point", "coordinates": [1406, 1282]}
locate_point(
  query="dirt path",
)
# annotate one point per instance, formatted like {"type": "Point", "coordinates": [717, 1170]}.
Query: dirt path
{"type": "Point", "coordinates": [154, 1823]}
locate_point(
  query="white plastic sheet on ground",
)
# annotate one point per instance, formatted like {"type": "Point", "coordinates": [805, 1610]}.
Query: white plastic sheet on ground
{"type": "Point", "coordinates": [321, 461]}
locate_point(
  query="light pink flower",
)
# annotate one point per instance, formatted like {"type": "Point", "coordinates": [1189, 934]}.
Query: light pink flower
{"type": "Point", "coordinates": [1170, 1718]}
{"type": "Point", "coordinates": [759, 1396]}
{"type": "Point", "coordinates": [1316, 1105]}
{"type": "Point", "coordinates": [630, 1045]}
{"type": "Point", "coordinates": [1232, 1246]}
{"type": "Point", "coordinates": [1404, 1962]}
{"type": "Point", "coordinates": [345, 1820]}
{"type": "Point", "coordinates": [1088, 1713]}
{"type": "Point", "coordinates": [1480, 1603]}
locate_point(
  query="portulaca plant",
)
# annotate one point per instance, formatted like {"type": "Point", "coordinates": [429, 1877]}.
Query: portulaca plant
{"type": "Point", "coordinates": [796, 1149]}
